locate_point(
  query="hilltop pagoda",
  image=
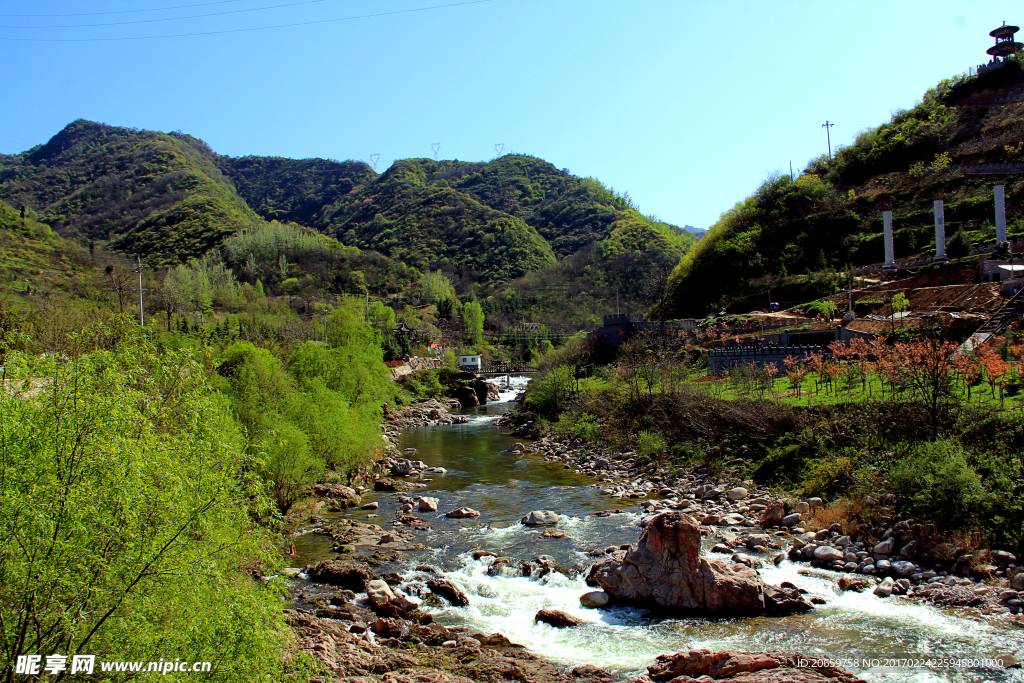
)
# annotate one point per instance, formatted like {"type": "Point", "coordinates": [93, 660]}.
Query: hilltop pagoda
{"type": "Point", "coordinates": [1005, 45]}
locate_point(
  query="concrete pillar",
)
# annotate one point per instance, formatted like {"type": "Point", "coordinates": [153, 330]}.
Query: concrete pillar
{"type": "Point", "coordinates": [887, 225]}
{"type": "Point", "coordinates": [1000, 214]}
{"type": "Point", "coordinates": [940, 233]}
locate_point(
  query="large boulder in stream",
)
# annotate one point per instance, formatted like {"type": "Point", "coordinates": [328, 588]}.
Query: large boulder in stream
{"type": "Point", "coordinates": [557, 618]}
{"type": "Point", "coordinates": [481, 389]}
{"type": "Point", "coordinates": [342, 573]}
{"type": "Point", "coordinates": [447, 590]}
{"type": "Point", "coordinates": [540, 518]}
{"type": "Point", "coordinates": [666, 571]}
{"type": "Point", "coordinates": [467, 396]}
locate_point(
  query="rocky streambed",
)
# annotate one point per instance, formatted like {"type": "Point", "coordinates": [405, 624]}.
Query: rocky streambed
{"type": "Point", "coordinates": [886, 554]}
{"type": "Point", "coordinates": [499, 592]}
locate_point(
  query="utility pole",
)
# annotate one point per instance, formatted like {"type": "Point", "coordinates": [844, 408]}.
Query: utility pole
{"type": "Point", "coordinates": [142, 322]}
{"type": "Point", "coordinates": [324, 312]}
{"type": "Point", "coordinates": [828, 137]}
{"type": "Point", "coordinates": [791, 171]}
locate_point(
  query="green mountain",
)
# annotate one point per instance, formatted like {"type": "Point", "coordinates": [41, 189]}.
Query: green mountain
{"type": "Point", "coordinates": [831, 214]}
{"type": "Point", "coordinates": [491, 221]}
{"type": "Point", "coordinates": [158, 194]}
{"type": "Point", "coordinates": [169, 197]}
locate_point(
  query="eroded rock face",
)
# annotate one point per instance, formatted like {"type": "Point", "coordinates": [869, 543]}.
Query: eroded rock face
{"type": "Point", "coordinates": [749, 667]}
{"type": "Point", "coordinates": [667, 571]}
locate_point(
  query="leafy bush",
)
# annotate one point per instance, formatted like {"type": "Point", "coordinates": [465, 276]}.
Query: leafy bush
{"type": "Point", "coordinates": [938, 481]}
{"type": "Point", "coordinates": [582, 425]}
{"type": "Point", "coordinates": [126, 517]}
{"type": "Point", "coordinates": [650, 445]}
{"type": "Point", "coordinates": [833, 476]}
{"type": "Point", "coordinates": [546, 395]}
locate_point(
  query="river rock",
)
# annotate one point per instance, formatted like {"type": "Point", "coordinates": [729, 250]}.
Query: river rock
{"type": "Point", "coordinates": [904, 568]}
{"type": "Point", "coordinates": [341, 573]}
{"type": "Point", "coordinates": [884, 589]}
{"type": "Point", "coordinates": [342, 495]}
{"type": "Point", "coordinates": [383, 599]}
{"type": "Point", "coordinates": [791, 520]}
{"type": "Point", "coordinates": [773, 515]}
{"type": "Point", "coordinates": [828, 554]}
{"type": "Point", "coordinates": [1004, 557]}
{"type": "Point", "coordinates": [1017, 582]}
{"type": "Point", "coordinates": [738, 493]}
{"type": "Point", "coordinates": [540, 517]}
{"type": "Point", "coordinates": [447, 590]}
{"type": "Point", "coordinates": [402, 467]}
{"type": "Point", "coordinates": [373, 505]}
{"type": "Point", "coordinates": [597, 599]}
{"type": "Point", "coordinates": [884, 547]}
{"type": "Point", "coordinates": [428, 504]}
{"type": "Point", "coordinates": [803, 507]}
{"type": "Point", "coordinates": [750, 667]}
{"type": "Point", "coordinates": [667, 571]}
{"type": "Point", "coordinates": [557, 618]}
{"type": "Point", "coordinates": [852, 583]}
{"type": "Point", "coordinates": [462, 512]}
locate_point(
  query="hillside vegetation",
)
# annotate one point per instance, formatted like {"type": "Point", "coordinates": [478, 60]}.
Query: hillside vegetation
{"type": "Point", "coordinates": [154, 193]}
{"type": "Point", "coordinates": [831, 214]}
{"type": "Point", "coordinates": [169, 197]}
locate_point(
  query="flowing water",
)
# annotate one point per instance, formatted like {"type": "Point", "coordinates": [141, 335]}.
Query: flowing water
{"type": "Point", "coordinates": [865, 632]}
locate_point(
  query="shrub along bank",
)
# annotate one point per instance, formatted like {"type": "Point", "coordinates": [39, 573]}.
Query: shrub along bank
{"type": "Point", "coordinates": [129, 509]}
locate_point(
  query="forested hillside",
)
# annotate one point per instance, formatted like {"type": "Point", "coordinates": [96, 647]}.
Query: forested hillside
{"type": "Point", "coordinates": [515, 230]}
{"type": "Point", "coordinates": [154, 193]}
{"type": "Point", "coordinates": [831, 214]}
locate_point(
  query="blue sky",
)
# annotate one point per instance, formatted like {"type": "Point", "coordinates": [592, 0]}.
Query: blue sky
{"type": "Point", "coordinates": [685, 105]}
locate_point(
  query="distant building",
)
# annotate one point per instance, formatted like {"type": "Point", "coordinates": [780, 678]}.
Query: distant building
{"type": "Point", "coordinates": [404, 330]}
{"type": "Point", "coordinates": [474, 362]}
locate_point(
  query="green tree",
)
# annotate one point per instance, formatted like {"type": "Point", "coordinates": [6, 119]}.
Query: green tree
{"type": "Point", "coordinates": [435, 287]}
{"type": "Point", "coordinates": [126, 516]}
{"type": "Point", "coordinates": [473, 322]}
{"type": "Point", "coordinates": [899, 304]}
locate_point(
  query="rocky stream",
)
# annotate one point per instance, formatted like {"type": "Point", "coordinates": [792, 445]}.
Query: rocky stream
{"type": "Point", "coordinates": [478, 555]}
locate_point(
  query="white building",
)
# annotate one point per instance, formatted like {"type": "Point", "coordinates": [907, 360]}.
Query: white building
{"type": "Point", "coordinates": [474, 363]}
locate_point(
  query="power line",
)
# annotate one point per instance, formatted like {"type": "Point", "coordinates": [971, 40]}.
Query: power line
{"type": "Point", "coordinates": [126, 11]}
{"type": "Point", "coordinates": [194, 16]}
{"type": "Point", "coordinates": [245, 30]}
